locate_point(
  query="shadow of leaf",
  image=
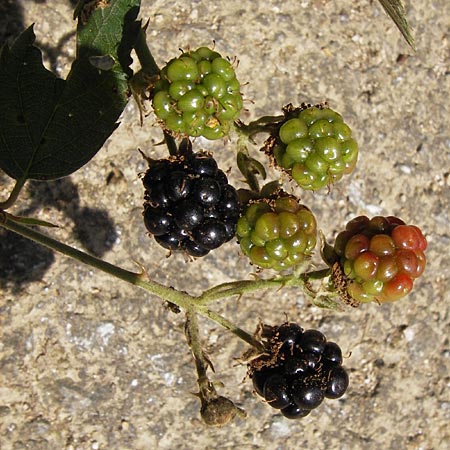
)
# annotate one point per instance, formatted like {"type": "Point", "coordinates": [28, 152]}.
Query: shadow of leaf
{"type": "Point", "coordinates": [22, 261]}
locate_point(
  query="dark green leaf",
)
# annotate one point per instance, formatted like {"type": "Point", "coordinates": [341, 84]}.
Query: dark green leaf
{"type": "Point", "coordinates": [396, 11]}
{"type": "Point", "coordinates": [50, 127]}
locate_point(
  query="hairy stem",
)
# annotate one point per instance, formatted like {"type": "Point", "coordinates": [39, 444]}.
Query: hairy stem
{"type": "Point", "coordinates": [248, 286]}
{"type": "Point", "coordinates": [222, 321]}
{"type": "Point", "coordinates": [179, 298]}
{"type": "Point", "coordinates": [201, 363]}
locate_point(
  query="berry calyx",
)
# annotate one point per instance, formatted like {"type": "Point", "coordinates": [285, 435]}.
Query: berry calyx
{"type": "Point", "coordinates": [313, 145]}
{"type": "Point", "coordinates": [299, 370]}
{"type": "Point", "coordinates": [197, 94]}
{"type": "Point", "coordinates": [189, 205]}
{"type": "Point", "coordinates": [378, 259]}
{"type": "Point", "coordinates": [276, 233]}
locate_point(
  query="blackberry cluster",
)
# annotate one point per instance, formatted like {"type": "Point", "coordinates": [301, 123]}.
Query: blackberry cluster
{"type": "Point", "coordinates": [198, 94]}
{"type": "Point", "coordinates": [314, 145]}
{"type": "Point", "coordinates": [189, 204]}
{"type": "Point", "coordinates": [302, 369]}
{"type": "Point", "coordinates": [377, 259]}
{"type": "Point", "coordinates": [277, 233]}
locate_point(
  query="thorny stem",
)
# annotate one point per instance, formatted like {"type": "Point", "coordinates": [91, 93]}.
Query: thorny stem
{"type": "Point", "coordinates": [181, 299]}
{"type": "Point", "coordinates": [248, 286]}
{"type": "Point", "coordinates": [265, 124]}
{"type": "Point", "coordinates": [201, 363]}
{"type": "Point", "coordinates": [222, 321]}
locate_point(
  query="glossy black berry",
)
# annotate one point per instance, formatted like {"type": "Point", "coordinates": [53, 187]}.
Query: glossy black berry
{"type": "Point", "coordinates": [332, 353]}
{"type": "Point", "coordinates": [206, 191]}
{"type": "Point", "coordinates": [156, 173]}
{"type": "Point", "coordinates": [157, 221]}
{"type": "Point", "coordinates": [307, 396]}
{"type": "Point", "coordinates": [178, 185]}
{"type": "Point", "coordinates": [337, 382]}
{"type": "Point", "coordinates": [221, 178]}
{"type": "Point", "coordinates": [294, 412]}
{"type": "Point", "coordinates": [288, 334]}
{"type": "Point", "coordinates": [229, 202]}
{"type": "Point", "coordinates": [299, 370]}
{"type": "Point", "coordinates": [168, 241]}
{"type": "Point", "coordinates": [313, 341]}
{"type": "Point", "coordinates": [259, 380]}
{"type": "Point", "coordinates": [193, 248]}
{"type": "Point", "coordinates": [203, 165]}
{"type": "Point", "coordinates": [188, 215]}
{"type": "Point", "coordinates": [276, 392]}
{"type": "Point", "coordinates": [211, 234]}
{"type": "Point", "coordinates": [158, 197]}
{"type": "Point", "coordinates": [189, 205]}
{"type": "Point", "coordinates": [296, 365]}
{"type": "Point", "coordinates": [312, 360]}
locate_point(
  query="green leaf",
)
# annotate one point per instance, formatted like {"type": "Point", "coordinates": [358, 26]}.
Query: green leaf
{"type": "Point", "coordinates": [396, 11]}
{"type": "Point", "coordinates": [50, 127]}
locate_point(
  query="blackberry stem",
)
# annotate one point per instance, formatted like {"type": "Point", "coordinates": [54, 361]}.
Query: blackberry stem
{"type": "Point", "coordinates": [265, 124]}
{"type": "Point", "coordinates": [206, 389]}
{"type": "Point", "coordinates": [242, 287]}
{"type": "Point", "coordinates": [179, 298]}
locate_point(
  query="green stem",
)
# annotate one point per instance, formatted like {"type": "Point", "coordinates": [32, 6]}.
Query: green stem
{"type": "Point", "coordinates": [179, 298]}
{"type": "Point", "coordinates": [183, 300]}
{"type": "Point", "coordinates": [265, 124]}
{"type": "Point", "coordinates": [201, 364]}
{"type": "Point", "coordinates": [242, 287]}
{"type": "Point", "coordinates": [144, 54]}
{"type": "Point", "coordinates": [14, 194]}
{"type": "Point", "coordinates": [222, 321]}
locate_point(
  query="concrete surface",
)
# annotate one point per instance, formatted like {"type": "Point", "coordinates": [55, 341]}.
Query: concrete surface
{"type": "Point", "coordinates": [88, 362]}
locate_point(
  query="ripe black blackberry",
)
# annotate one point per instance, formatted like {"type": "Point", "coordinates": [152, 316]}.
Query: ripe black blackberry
{"type": "Point", "coordinates": [299, 371]}
{"type": "Point", "coordinates": [189, 205]}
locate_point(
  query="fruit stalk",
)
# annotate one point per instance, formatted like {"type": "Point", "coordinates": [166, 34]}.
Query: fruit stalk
{"type": "Point", "coordinates": [201, 362]}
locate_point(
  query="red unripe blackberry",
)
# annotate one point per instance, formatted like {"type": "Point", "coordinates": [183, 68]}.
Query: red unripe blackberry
{"type": "Point", "coordinates": [378, 259]}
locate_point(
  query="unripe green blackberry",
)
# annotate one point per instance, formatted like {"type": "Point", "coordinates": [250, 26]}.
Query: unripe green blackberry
{"type": "Point", "coordinates": [377, 259]}
{"type": "Point", "coordinates": [198, 94]}
{"type": "Point", "coordinates": [313, 145]}
{"type": "Point", "coordinates": [276, 234]}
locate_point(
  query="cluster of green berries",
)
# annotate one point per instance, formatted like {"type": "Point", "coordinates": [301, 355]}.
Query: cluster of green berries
{"type": "Point", "coordinates": [314, 145]}
{"type": "Point", "coordinates": [379, 259]}
{"type": "Point", "coordinates": [197, 94]}
{"type": "Point", "coordinates": [276, 234]}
